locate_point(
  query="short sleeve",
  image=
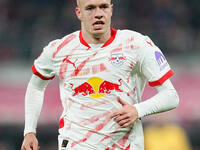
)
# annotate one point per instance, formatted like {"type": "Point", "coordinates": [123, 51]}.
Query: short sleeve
{"type": "Point", "coordinates": [154, 65]}
{"type": "Point", "coordinates": [43, 66]}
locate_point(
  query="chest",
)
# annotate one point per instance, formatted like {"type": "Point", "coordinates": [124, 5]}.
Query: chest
{"type": "Point", "coordinates": [109, 63]}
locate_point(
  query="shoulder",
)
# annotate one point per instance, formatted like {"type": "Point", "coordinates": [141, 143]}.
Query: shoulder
{"type": "Point", "coordinates": [70, 37]}
{"type": "Point", "coordinates": [134, 36]}
{"type": "Point", "coordinates": [56, 45]}
{"type": "Point", "coordinates": [129, 33]}
{"type": "Point", "coordinates": [66, 39]}
{"type": "Point", "coordinates": [143, 45]}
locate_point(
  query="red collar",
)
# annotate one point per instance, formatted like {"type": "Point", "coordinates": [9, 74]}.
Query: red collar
{"type": "Point", "coordinates": [110, 40]}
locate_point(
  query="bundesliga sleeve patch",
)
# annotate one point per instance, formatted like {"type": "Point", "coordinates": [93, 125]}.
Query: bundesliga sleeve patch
{"type": "Point", "coordinates": [161, 60]}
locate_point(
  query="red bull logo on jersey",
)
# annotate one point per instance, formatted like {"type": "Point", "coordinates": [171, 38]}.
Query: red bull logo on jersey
{"type": "Point", "coordinates": [96, 87]}
{"type": "Point", "coordinates": [117, 59]}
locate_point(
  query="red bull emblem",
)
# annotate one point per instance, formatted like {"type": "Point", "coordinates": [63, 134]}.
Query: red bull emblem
{"type": "Point", "coordinates": [96, 87]}
{"type": "Point", "coordinates": [107, 87]}
{"type": "Point", "coordinates": [84, 89]}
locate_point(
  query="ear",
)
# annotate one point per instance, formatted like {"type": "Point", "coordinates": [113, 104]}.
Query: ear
{"type": "Point", "coordinates": [78, 13]}
{"type": "Point", "coordinates": [111, 9]}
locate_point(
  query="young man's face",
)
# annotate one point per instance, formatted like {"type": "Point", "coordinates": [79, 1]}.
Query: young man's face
{"type": "Point", "coordinates": [95, 15]}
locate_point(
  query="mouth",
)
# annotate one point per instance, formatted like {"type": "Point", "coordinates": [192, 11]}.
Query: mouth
{"type": "Point", "coordinates": [99, 23]}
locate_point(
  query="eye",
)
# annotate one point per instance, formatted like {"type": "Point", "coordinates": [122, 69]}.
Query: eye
{"type": "Point", "coordinates": [89, 8]}
{"type": "Point", "coordinates": [104, 6]}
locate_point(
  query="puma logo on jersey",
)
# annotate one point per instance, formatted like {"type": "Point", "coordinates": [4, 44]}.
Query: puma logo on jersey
{"type": "Point", "coordinates": [70, 62]}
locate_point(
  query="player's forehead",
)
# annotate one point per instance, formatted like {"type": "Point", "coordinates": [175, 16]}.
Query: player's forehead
{"type": "Point", "coordinates": [92, 2]}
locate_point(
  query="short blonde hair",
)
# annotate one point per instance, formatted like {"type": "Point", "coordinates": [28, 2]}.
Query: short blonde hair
{"type": "Point", "coordinates": [78, 2]}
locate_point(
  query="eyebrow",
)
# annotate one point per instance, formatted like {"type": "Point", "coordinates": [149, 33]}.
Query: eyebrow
{"type": "Point", "coordinates": [90, 6]}
{"type": "Point", "coordinates": [104, 5]}
{"type": "Point", "coordinates": [94, 6]}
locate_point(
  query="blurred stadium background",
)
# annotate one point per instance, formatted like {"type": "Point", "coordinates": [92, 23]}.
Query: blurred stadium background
{"type": "Point", "coordinates": [26, 26]}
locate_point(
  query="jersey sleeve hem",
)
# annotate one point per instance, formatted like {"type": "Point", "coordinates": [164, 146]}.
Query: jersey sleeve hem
{"type": "Point", "coordinates": [162, 79]}
{"type": "Point", "coordinates": [40, 75]}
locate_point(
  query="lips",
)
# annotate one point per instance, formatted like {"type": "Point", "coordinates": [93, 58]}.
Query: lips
{"type": "Point", "coordinates": [98, 23]}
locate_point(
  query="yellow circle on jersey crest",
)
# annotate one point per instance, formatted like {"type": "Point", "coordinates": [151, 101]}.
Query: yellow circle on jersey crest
{"type": "Point", "coordinates": [95, 82]}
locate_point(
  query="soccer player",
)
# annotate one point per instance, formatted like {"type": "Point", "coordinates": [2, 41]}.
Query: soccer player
{"type": "Point", "coordinates": [102, 74]}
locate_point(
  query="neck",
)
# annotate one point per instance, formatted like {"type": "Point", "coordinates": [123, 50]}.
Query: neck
{"type": "Point", "coordinates": [96, 38]}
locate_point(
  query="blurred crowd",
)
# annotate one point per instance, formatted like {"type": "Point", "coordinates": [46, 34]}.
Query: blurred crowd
{"type": "Point", "coordinates": [26, 26]}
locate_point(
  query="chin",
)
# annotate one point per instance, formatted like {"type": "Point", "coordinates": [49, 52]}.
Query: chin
{"type": "Point", "coordinates": [98, 32]}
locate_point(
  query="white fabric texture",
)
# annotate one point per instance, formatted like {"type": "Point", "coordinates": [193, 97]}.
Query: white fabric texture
{"type": "Point", "coordinates": [152, 67]}
{"type": "Point", "coordinates": [91, 78]}
{"type": "Point", "coordinates": [33, 103]}
{"type": "Point", "coordinates": [166, 99]}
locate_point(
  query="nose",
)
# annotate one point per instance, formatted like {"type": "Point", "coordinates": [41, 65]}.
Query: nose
{"type": "Point", "coordinates": [99, 13]}
{"type": "Point", "coordinates": [98, 17]}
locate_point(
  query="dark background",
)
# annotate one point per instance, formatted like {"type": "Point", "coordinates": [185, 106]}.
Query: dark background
{"type": "Point", "coordinates": [26, 26]}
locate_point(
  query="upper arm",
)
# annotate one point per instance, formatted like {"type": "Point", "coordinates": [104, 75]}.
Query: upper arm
{"type": "Point", "coordinates": [43, 66]}
{"type": "Point", "coordinates": [38, 83]}
{"type": "Point", "coordinates": [153, 64]}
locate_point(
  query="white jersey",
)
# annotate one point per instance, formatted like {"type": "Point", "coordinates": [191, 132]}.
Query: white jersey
{"type": "Point", "coordinates": [91, 79]}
